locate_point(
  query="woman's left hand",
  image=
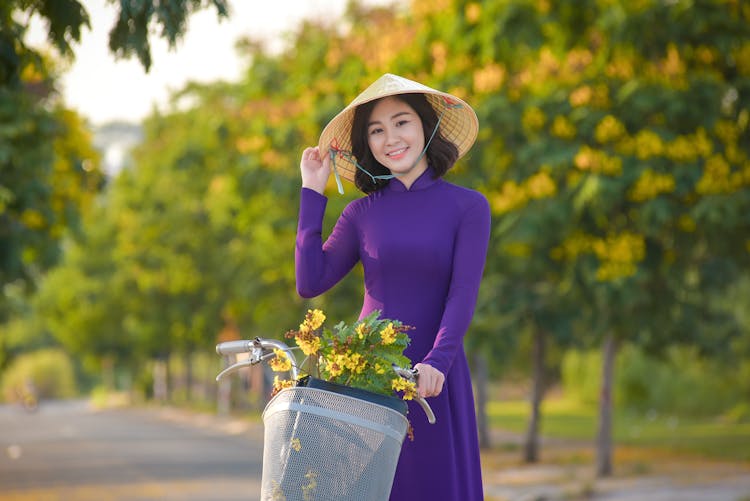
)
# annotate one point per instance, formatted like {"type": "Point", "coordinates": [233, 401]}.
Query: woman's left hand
{"type": "Point", "coordinates": [430, 380]}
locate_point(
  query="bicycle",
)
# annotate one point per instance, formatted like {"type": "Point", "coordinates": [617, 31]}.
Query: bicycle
{"type": "Point", "coordinates": [322, 440]}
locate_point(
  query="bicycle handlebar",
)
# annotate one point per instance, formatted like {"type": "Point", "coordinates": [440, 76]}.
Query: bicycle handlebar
{"type": "Point", "coordinates": [260, 349]}
{"type": "Point", "coordinates": [234, 347]}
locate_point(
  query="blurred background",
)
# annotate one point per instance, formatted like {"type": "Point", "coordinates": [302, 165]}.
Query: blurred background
{"type": "Point", "coordinates": [149, 183]}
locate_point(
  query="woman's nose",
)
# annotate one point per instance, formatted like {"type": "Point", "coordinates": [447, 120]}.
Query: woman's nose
{"type": "Point", "coordinates": [391, 136]}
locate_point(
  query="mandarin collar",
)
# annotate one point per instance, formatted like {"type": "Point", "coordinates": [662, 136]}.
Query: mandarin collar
{"type": "Point", "coordinates": [424, 181]}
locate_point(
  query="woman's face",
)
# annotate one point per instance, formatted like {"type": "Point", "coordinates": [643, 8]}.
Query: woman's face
{"type": "Point", "coordinates": [396, 138]}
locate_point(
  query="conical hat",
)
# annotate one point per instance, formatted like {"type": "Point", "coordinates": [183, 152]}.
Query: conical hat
{"type": "Point", "coordinates": [458, 125]}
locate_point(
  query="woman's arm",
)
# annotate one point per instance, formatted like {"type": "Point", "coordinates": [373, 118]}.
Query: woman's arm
{"type": "Point", "coordinates": [320, 266]}
{"type": "Point", "coordinates": [470, 253]}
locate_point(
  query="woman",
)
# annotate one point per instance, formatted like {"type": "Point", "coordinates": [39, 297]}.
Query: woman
{"type": "Point", "coordinates": [422, 242]}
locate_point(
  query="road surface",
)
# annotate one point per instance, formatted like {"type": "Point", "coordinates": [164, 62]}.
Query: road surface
{"type": "Point", "coordinates": [70, 451]}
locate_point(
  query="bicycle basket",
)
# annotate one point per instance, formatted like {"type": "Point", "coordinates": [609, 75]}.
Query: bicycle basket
{"type": "Point", "coordinates": [323, 445]}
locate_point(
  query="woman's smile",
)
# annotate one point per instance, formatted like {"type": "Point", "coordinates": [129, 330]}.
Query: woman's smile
{"type": "Point", "coordinates": [397, 154]}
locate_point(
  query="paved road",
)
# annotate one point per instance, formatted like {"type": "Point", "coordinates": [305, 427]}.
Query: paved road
{"type": "Point", "coordinates": [69, 451]}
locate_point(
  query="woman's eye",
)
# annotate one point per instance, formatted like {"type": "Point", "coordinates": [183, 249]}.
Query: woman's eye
{"type": "Point", "coordinates": [401, 122]}
{"type": "Point", "coordinates": [375, 131]}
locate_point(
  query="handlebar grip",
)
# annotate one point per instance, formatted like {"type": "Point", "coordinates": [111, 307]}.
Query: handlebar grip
{"type": "Point", "coordinates": [234, 347]}
{"type": "Point", "coordinates": [427, 409]}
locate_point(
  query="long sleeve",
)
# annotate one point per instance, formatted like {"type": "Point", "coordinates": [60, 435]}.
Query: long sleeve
{"type": "Point", "coordinates": [320, 266]}
{"type": "Point", "coordinates": [470, 252]}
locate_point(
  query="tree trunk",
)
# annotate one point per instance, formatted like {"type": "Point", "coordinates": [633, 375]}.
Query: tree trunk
{"type": "Point", "coordinates": [160, 381]}
{"type": "Point", "coordinates": [604, 431]}
{"type": "Point", "coordinates": [108, 373]}
{"type": "Point", "coordinates": [189, 376]}
{"type": "Point", "coordinates": [480, 382]}
{"type": "Point", "coordinates": [169, 378]}
{"type": "Point", "coordinates": [531, 445]}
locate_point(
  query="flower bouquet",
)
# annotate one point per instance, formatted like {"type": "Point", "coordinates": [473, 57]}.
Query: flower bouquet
{"type": "Point", "coordinates": [361, 356]}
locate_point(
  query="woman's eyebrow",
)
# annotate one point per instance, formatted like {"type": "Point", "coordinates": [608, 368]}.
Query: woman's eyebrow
{"type": "Point", "coordinates": [374, 122]}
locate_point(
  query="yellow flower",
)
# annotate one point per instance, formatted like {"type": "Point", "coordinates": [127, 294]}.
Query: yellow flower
{"type": "Point", "coordinates": [510, 197]}
{"type": "Point", "coordinates": [609, 129]}
{"type": "Point", "coordinates": [581, 96]}
{"type": "Point", "coordinates": [32, 219]}
{"type": "Point", "coordinates": [309, 347]}
{"type": "Point", "coordinates": [533, 119]}
{"type": "Point", "coordinates": [313, 320]}
{"type": "Point", "coordinates": [388, 334]}
{"type": "Point", "coordinates": [335, 369]}
{"type": "Point", "coordinates": [489, 78]}
{"type": "Point", "coordinates": [280, 384]}
{"type": "Point", "coordinates": [650, 185]}
{"type": "Point", "coordinates": [296, 444]}
{"type": "Point", "coordinates": [473, 12]}
{"type": "Point", "coordinates": [572, 247]}
{"type": "Point", "coordinates": [563, 128]}
{"type": "Point", "coordinates": [357, 363]}
{"type": "Point", "coordinates": [277, 493]}
{"type": "Point", "coordinates": [317, 318]}
{"type": "Point", "coordinates": [361, 331]}
{"type": "Point", "coordinates": [281, 362]}
{"type": "Point", "coordinates": [716, 177]}
{"type": "Point", "coordinates": [589, 159]}
{"type": "Point", "coordinates": [308, 342]}
{"type": "Point", "coordinates": [619, 255]}
{"type": "Point", "coordinates": [540, 185]}
{"type": "Point", "coordinates": [648, 144]}
{"type": "Point", "coordinates": [308, 491]}
{"type": "Point", "coordinates": [408, 387]}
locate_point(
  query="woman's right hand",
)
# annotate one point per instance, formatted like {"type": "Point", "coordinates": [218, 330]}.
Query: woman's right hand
{"type": "Point", "coordinates": [314, 170]}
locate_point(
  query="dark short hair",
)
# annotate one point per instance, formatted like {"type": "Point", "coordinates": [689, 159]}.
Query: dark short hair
{"type": "Point", "coordinates": [441, 154]}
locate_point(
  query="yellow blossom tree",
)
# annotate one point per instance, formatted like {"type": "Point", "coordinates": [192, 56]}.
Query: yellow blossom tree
{"type": "Point", "coordinates": [615, 156]}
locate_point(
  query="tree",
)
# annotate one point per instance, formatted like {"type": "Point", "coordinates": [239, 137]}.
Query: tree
{"type": "Point", "coordinates": [639, 137]}
{"type": "Point", "coordinates": [49, 170]}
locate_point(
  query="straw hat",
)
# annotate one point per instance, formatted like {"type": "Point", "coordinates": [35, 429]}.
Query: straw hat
{"type": "Point", "coordinates": [458, 125]}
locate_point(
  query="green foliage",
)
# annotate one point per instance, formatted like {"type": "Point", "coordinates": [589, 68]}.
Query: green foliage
{"type": "Point", "coordinates": [50, 371]}
{"type": "Point", "coordinates": [581, 375]}
{"type": "Point", "coordinates": [683, 383]}
{"type": "Point", "coordinates": [48, 166]}
{"type": "Point", "coordinates": [563, 419]}
{"type": "Point", "coordinates": [130, 34]}
{"type": "Point", "coordinates": [49, 173]}
{"type": "Point", "coordinates": [66, 19]}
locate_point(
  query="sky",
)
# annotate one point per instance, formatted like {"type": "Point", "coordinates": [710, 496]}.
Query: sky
{"type": "Point", "coordinates": [104, 89]}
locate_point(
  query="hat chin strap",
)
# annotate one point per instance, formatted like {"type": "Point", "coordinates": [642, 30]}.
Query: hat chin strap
{"type": "Point", "coordinates": [332, 153]}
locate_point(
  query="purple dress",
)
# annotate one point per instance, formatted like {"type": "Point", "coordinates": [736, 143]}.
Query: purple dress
{"type": "Point", "coordinates": [423, 252]}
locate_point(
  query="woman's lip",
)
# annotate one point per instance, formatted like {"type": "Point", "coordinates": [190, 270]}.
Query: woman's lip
{"type": "Point", "coordinates": [395, 156]}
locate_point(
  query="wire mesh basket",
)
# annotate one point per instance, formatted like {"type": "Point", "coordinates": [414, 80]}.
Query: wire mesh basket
{"type": "Point", "coordinates": [323, 443]}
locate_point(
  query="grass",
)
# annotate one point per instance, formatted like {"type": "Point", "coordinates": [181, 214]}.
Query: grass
{"type": "Point", "coordinates": [565, 419]}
